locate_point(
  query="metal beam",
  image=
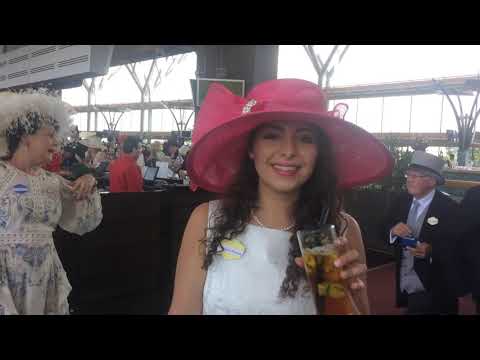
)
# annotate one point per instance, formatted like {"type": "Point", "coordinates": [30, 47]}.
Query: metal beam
{"type": "Point", "coordinates": [464, 85]}
{"type": "Point", "coordinates": [162, 135]}
{"type": "Point", "coordinates": [126, 54]}
{"type": "Point", "coordinates": [432, 139]}
{"type": "Point", "coordinates": [175, 104]}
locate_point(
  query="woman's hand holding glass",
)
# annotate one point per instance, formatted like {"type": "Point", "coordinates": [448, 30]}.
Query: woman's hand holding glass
{"type": "Point", "coordinates": [348, 262]}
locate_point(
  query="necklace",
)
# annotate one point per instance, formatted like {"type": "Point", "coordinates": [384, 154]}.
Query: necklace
{"type": "Point", "coordinates": [286, 228]}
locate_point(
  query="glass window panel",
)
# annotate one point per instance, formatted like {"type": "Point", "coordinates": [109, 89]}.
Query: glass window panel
{"type": "Point", "coordinates": [367, 64]}
{"type": "Point", "coordinates": [449, 122]}
{"type": "Point", "coordinates": [101, 123]}
{"type": "Point", "coordinates": [75, 96]}
{"type": "Point", "coordinates": [426, 113]}
{"type": "Point", "coordinates": [130, 121]}
{"type": "Point", "coordinates": [396, 114]}
{"type": "Point", "coordinates": [370, 114]}
{"type": "Point", "coordinates": [80, 120]}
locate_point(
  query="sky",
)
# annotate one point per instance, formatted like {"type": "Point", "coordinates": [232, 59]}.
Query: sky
{"type": "Point", "coordinates": [362, 64]}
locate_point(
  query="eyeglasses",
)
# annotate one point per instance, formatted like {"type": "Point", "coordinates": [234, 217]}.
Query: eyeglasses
{"type": "Point", "coordinates": [414, 176]}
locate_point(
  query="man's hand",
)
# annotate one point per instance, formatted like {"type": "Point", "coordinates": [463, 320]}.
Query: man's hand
{"type": "Point", "coordinates": [421, 251]}
{"type": "Point", "coordinates": [402, 230]}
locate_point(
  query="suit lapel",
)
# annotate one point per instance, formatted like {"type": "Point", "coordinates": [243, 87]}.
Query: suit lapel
{"type": "Point", "coordinates": [405, 208]}
{"type": "Point", "coordinates": [426, 230]}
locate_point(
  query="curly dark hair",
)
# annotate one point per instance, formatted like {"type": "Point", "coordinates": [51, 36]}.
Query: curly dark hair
{"type": "Point", "coordinates": [318, 193]}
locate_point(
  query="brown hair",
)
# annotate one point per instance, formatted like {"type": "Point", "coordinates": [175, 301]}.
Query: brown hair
{"type": "Point", "coordinates": [319, 192]}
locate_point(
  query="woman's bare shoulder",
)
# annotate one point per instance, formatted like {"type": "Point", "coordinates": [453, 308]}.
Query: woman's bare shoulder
{"type": "Point", "coordinates": [200, 213]}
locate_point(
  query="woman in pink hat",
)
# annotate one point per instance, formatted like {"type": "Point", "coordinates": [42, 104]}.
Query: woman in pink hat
{"type": "Point", "coordinates": [279, 159]}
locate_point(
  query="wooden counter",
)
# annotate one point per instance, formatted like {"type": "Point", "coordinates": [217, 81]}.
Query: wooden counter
{"type": "Point", "coordinates": [126, 265]}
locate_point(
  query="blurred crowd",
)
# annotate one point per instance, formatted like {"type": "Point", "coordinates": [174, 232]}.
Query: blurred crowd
{"type": "Point", "coordinates": [94, 154]}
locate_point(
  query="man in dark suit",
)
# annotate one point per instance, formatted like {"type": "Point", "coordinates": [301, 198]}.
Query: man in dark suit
{"type": "Point", "coordinates": [470, 246]}
{"type": "Point", "coordinates": [422, 225]}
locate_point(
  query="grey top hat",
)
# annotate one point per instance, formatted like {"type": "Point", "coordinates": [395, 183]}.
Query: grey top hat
{"type": "Point", "coordinates": [428, 164]}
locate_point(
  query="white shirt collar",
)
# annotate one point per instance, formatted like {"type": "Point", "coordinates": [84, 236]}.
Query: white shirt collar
{"type": "Point", "coordinates": [426, 200]}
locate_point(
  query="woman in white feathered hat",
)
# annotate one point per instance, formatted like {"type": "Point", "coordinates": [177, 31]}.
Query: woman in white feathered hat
{"type": "Point", "coordinates": [34, 201]}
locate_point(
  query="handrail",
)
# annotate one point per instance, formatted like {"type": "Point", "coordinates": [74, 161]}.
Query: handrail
{"type": "Point", "coordinates": [461, 184]}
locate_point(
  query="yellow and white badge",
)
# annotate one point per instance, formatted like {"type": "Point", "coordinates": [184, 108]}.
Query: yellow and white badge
{"type": "Point", "coordinates": [232, 249]}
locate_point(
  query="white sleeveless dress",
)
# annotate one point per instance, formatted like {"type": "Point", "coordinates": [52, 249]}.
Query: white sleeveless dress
{"type": "Point", "coordinates": [251, 284]}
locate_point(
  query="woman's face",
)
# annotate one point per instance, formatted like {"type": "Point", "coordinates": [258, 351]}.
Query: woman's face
{"type": "Point", "coordinates": [284, 154]}
{"type": "Point", "coordinates": [41, 145]}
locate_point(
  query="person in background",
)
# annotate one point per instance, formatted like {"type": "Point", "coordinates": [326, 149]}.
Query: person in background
{"type": "Point", "coordinates": [75, 135]}
{"type": "Point", "coordinates": [68, 157]}
{"type": "Point", "coordinates": [156, 149]}
{"type": "Point", "coordinates": [55, 164]}
{"type": "Point", "coordinates": [183, 152]}
{"type": "Point", "coordinates": [469, 250]}
{"type": "Point", "coordinates": [170, 148]}
{"type": "Point", "coordinates": [125, 175]}
{"type": "Point", "coordinates": [141, 158]}
{"type": "Point", "coordinates": [430, 220]}
{"type": "Point", "coordinates": [120, 140]}
{"type": "Point", "coordinates": [73, 153]}
{"type": "Point", "coordinates": [73, 165]}
{"type": "Point", "coordinates": [95, 153]}
{"type": "Point", "coordinates": [149, 159]}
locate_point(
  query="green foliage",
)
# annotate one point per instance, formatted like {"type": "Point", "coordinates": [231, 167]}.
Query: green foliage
{"type": "Point", "coordinates": [402, 157]}
{"type": "Point", "coordinates": [476, 154]}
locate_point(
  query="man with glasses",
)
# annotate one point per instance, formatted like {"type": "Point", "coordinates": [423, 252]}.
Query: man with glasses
{"type": "Point", "coordinates": [422, 227]}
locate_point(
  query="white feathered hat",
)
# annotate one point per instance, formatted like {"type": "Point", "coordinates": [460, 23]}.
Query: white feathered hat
{"type": "Point", "coordinates": [16, 110]}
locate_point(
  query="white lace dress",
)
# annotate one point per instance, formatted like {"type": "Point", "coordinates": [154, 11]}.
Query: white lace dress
{"type": "Point", "coordinates": [32, 278]}
{"type": "Point", "coordinates": [251, 284]}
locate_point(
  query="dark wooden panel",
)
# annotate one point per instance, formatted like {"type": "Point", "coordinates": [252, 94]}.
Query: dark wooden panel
{"type": "Point", "coordinates": [127, 264]}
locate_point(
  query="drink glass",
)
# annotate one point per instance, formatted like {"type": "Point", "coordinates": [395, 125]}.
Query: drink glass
{"type": "Point", "coordinates": [319, 253]}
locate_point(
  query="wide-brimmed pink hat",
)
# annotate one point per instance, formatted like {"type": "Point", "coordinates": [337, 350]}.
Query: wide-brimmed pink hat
{"type": "Point", "coordinates": [225, 121]}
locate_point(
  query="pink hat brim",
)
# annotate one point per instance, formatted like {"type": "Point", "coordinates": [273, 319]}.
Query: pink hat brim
{"type": "Point", "coordinates": [215, 158]}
